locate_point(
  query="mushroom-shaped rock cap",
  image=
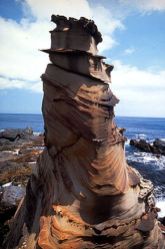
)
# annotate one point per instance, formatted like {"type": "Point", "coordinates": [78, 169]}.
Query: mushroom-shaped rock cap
{"type": "Point", "coordinates": [67, 24]}
{"type": "Point", "coordinates": [74, 34]}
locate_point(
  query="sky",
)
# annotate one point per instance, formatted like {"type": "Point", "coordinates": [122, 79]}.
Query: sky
{"type": "Point", "coordinates": [133, 41]}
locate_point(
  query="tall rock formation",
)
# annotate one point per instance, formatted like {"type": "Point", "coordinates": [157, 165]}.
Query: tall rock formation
{"type": "Point", "coordinates": [82, 193]}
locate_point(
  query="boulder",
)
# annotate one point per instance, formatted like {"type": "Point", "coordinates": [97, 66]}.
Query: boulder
{"type": "Point", "coordinates": [157, 147]}
{"type": "Point", "coordinates": [12, 195]}
{"type": "Point", "coordinates": [16, 134]}
{"type": "Point", "coordinates": [16, 161]}
{"type": "Point", "coordinates": [141, 144]}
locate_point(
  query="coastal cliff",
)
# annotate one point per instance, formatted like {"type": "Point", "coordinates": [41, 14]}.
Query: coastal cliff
{"type": "Point", "coordinates": [83, 194]}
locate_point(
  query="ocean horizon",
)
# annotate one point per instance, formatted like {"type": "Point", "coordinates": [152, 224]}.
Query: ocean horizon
{"type": "Point", "coordinates": [149, 165]}
{"type": "Point", "coordinates": [150, 127]}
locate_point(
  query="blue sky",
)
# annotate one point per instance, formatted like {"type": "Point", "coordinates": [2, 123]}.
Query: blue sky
{"type": "Point", "coordinates": [133, 40]}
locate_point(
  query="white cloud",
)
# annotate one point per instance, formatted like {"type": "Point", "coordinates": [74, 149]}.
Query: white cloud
{"type": "Point", "coordinates": [36, 87]}
{"type": "Point", "coordinates": [105, 20]}
{"type": "Point", "coordinates": [141, 92]}
{"type": "Point", "coordinates": [22, 64]}
{"type": "Point", "coordinates": [145, 5]}
{"type": "Point", "coordinates": [19, 53]}
{"type": "Point", "coordinates": [108, 43]}
{"type": "Point", "coordinates": [44, 9]}
{"type": "Point", "coordinates": [8, 83]}
{"type": "Point", "coordinates": [11, 83]}
{"type": "Point", "coordinates": [20, 42]}
{"type": "Point", "coordinates": [129, 51]}
{"type": "Point", "coordinates": [107, 24]}
{"type": "Point", "coordinates": [135, 78]}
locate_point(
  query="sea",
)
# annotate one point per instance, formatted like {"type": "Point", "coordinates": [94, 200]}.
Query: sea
{"type": "Point", "coordinates": [150, 166]}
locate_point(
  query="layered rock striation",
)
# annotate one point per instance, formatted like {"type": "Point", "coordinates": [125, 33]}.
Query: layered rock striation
{"type": "Point", "coordinates": [82, 193]}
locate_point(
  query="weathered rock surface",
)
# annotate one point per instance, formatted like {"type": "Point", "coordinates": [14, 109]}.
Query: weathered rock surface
{"type": "Point", "coordinates": [16, 134]}
{"type": "Point", "coordinates": [18, 154]}
{"type": "Point", "coordinates": [83, 63]}
{"type": "Point", "coordinates": [82, 193]}
{"type": "Point", "coordinates": [157, 147]}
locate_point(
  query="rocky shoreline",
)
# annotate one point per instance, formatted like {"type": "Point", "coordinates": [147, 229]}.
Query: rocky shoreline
{"type": "Point", "coordinates": [19, 150]}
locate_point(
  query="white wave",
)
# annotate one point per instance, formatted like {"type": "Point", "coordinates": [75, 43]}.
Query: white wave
{"type": "Point", "coordinates": [147, 158]}
{"type": "Point", "coordinates": [161, 204]}
{"type": "Point", "coordinates": [162, 139]}
{"type": "Point", "coordinates": [141, 136]}
{"type": "Point", "coordinates": [127, 142]}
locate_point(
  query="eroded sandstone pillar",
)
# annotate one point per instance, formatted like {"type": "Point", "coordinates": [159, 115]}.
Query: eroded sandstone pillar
{"type": "Point", "coordinates": [82, 193]}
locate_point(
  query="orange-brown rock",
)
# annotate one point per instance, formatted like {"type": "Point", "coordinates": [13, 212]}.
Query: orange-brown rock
{"type": "Point", "coordinates": [83, 195]}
